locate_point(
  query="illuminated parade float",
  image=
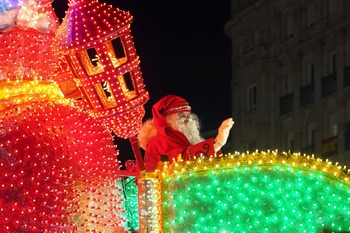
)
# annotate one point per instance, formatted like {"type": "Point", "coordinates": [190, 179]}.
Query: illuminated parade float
{"type": "Point", "coordinates": [67, 88]}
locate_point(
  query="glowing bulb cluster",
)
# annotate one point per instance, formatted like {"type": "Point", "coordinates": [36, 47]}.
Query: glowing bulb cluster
{"type": "Point", "coordinates": [58, 163]}
{"type": "Point", "coordinates": [26, 54]}
{"type": "Point", "coordinates": [255, 192]}
{"type": "Point", "coordinates": [14, 93]}
{"type": "Point", "coordinates": [55, 158]}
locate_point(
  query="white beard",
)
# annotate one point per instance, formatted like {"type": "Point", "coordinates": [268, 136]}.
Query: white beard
{"type": "Point", "coordinates": [191, 129]}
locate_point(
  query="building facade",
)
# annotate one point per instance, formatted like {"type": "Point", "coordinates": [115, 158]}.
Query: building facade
{"type": "Point", "coordinates": [291, 76]}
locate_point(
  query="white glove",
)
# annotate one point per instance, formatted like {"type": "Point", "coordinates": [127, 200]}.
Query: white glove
{"type": "Point", "coordinates": [223, 133]}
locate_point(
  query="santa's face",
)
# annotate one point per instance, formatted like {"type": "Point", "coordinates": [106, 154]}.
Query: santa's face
{"type": "Point", "coordinates": [180, 119]}
{"type": "Point", "coordinates": [186, 123]}
{"type": "Point", "coordinates": [184, 117]}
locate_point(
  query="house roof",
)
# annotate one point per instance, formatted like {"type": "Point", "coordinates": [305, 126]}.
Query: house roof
{"type": "Point", "coordinates": [87, 21]}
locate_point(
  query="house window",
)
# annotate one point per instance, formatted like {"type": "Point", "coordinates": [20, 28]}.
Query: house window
{"type": "Point", "coordinates": [90, 61]}
{"type": "Point", "coordinates": [71, 65]}
{"type": "Point", "coordinates": [116, 52]}
{"type": "Point", "coordinates": [127, 84]}
{"type": "Point", "coordinates": [104, 92]}
{"type": "Point", "coordinates": [69, 86]}
{"type": "Point", "coordinates": [251, 98]}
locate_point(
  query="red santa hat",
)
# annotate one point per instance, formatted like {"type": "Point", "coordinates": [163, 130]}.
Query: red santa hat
{"type": "Point", "coordinates": [169, 104]}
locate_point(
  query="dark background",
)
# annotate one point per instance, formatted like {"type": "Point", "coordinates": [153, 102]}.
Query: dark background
{"type": "Point", "coordinates": [183, 50]}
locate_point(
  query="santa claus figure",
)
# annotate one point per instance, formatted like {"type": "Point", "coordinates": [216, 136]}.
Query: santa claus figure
{"type": "Point", "coordinates": [174, 134]}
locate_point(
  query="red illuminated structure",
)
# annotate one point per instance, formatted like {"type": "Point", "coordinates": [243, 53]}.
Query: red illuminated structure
{"type": "Point", "coordinates": [100, 67]}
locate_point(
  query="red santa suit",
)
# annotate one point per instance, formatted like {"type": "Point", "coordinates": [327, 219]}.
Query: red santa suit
{"type": "Point", "coordinates": [169, 144]}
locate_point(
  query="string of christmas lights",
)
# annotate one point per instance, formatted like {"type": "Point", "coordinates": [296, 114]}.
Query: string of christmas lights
{"type": "Point", "coordinates": [64, 88]}
{"type": "Point", "coordinates": [255, 192]}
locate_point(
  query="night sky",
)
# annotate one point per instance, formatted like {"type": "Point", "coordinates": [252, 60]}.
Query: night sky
{"type": "Point", "coordinates": [183, 50]}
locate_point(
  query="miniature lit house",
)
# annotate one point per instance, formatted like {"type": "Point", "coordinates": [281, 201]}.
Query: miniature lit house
{"type": "Point", "coordinates": [100, 68]}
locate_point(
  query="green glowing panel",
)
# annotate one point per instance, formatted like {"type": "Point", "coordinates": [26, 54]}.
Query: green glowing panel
{"type": "Point", "coordinates": [255, 198]}
{"type": "Point", "coordinates": [131, 203]}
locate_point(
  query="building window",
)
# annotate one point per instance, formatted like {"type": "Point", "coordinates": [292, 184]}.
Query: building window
{"type": "Point", "coordinates": [333, 123]}
{"type": "Point", "coordinates": [347, 137]}
{"type": "Point", "coordinates": [257, 37]}
{"type": "Point", "coordinates": [329, 145]}
{"type": "Point", "coordinates": [286, 104]}
{"type": "Point", "coordinates": [310, 143]}
{"type": "Point", "coordinates": [287, 85]}
{"type": "Point", "coordinates": [286, 96]}
{"type": "Point", "coordinates": [311, 74]}
{"type": "Point", "coordinates": [346, 76]}
{"type": "Point", "coordinates": [329, 84]}
{"type": "Point", "coordinates": [290, 26]}
{"type": "Point", "coordinates": [310, 14]}
{"type": "Point", "coordinates": [332, 63]}
{"type": "Point", "coordinates": [331, 7]}
{"type": "Point", "coordinates": [307, 92]}
{"type": "Point", "coordinates": [251, 98]}
{"type": "Point", "coordinates": [311, 133]}
{"type": "Point", "coordinates": [290, 141]}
